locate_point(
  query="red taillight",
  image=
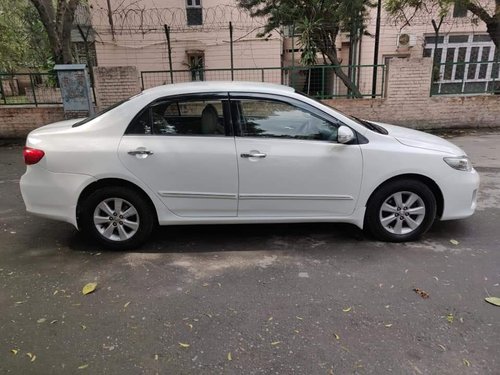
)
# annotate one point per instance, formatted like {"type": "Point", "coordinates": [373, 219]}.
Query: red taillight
{"type": "Point", "coordinates": [32, 155]}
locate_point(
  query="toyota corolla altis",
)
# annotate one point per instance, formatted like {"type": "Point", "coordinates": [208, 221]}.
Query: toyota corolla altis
{"type": "Point", "coordinates": [235, 152]}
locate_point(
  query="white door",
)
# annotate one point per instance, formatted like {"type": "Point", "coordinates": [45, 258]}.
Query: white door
{"type": "Point", "coordinates": [184, 150]}
{"type": "Point", "coordinates": [290, 164]}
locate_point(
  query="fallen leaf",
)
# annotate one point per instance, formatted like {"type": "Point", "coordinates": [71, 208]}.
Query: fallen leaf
{"type": "Point", "coordinates": [296, 331]}
{"type": "Point", "coordinates": [337, 337]}
{"type": "Point", "coordinates": [229, 356]}
{"type": "Point", "coordinates": [31, 356]}
{"type": "Point", "coordinates": [466, 362]}
{"type": "Point", "coordinates": [89, 288]}
{"type": "Point", "coordinates": [182, 345]}
{"type": "Point", "coordinates": [14, 351]}
{"type": "Point", "coordinates": [442, 347]}
{"type": "Point", "coordinates": [41, 320]}
{"type": "Point", "coordinates": [53, 321]}
{"type": "Point", "coordinates": [156, 357]}
{"type": "Point", "coordinates": [347, 309]}
{"type": "Point", "coordinates": [450, 318]}
{"type": "Point", "coordinates": [421, 293]}
{"type": "Point", "coordinates": [388, 325]}
{"type": "Point", "coordinates": [271, 318]}
{"type": "Point", "coordinates": [493, 300]}
{"type": "Point", "coordinates": [299, 318]}
{"type": "Point", "coordinates": [84, 327]}
{"type": "Point", "coordinates": [205, 284]}
{"type": "Point", "coordinates": [55, 292]}
{"type": "Point", "coordinates": [82, 367]}
{"type": "Point", "coordinates": [454, 242]}
{"type": "Point", "coordinates": [190, 326]}
{"type": "Point", "coordinates": [126, 305]}
{"type": "Point", "coordinates": [275, 343]}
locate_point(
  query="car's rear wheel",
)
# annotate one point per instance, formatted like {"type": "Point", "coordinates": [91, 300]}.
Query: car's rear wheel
{"type": "Point", "coordinates": [118, 218]}
{"type": "Point", "coordinates": [401, 210]}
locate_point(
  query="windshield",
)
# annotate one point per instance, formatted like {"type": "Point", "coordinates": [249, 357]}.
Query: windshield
{"type": "Point", "coordinates": [367, 124]}
{"type": "Point", "coordinates": [90, 118]}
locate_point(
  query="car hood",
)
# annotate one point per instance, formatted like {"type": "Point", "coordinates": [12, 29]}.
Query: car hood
{"type": "Point", "coordinates": [418, 139]}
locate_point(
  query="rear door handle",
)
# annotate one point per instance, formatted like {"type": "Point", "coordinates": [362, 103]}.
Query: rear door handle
{"type": "Point", "coordinates": [254, 155]}
{"type": "Point", "coordinates": [140, 153]}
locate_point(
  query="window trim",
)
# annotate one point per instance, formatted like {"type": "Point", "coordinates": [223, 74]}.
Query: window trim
{"type": "Point", "coordinates": [287, 100]}
{"type": "Point", "coordinates": [223, 96]}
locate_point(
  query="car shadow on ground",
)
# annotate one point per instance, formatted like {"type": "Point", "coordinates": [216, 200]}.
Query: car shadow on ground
{"type": "Point", "coordinates": [251, 237]}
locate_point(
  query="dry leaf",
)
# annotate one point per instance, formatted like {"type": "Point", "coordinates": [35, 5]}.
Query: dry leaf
{"type": "Point", "coordinates": [388, 325]}
{"type": "Point", "coordinates": [31, 356]}
{"type": "Point", "coordinates": [493, 300]}
{"type": "Point", "coordinates": [299, 318]}
{"type": "Point", "coordinates": [83, 367]}
{"type": "Point", "coordinates": [182, 345]}
{"type": "Point", "coordinates": [190, 326]}
{"type": "Point", "coordinates": [421, 293]}
{"type": "Point", "coordinates": [89, 288]}
{"type": "Point", "coordinates": [454, 242]}
{"type": "Point", "coordinates": [41, 320]}
{"type": "Point", "coordinates": [347, 309]}
{"type": "Point", "coordinates": [53, 321]}
{"type": "Point", "coordinates": [275, 343]}
{"type": "Point", "coordinates": [271, 318]}
{"type": "Point", "coordinates": [126, 305]}
{"type": "Point", "coordinates": [449, 318]}
{"type": "Point", "coordinates": [466, 362]}
{"type": "Point", "coordinates": [84, 327]}
{"type": "Point", "coordinates": [442, 347]}
{"type": "Point", "coordinates": [337, 337]}
{"type": "Point", "coordinates": [14, 351]}
{"type": "Point", "coordinates": [156, 357]}
{"type": "Point", "coordinates": [229, 356]}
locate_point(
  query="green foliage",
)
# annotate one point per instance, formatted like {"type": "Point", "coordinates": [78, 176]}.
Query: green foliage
{"type": "Point", "coordinates": [23, 42]}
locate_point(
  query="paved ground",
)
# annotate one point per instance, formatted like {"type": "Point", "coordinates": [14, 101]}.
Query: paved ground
{"type": "Point", "coordinates": [273, 299]}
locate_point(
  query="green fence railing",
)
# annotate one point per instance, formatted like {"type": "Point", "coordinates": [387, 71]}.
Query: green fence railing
{"type": "Point", "coordinates": [465, 78]}
{"type": "Point", "coordinates": [320, 81]}
{"type": "Point", "coordinates": [29, 89]}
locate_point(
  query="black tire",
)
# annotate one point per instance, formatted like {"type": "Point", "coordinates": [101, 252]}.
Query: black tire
{"type": "Point", "coordinates": [389, 231]}
{"type": "Point", "coordinates": [133, 236]}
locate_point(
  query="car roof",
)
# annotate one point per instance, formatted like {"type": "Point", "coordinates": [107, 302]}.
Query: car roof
{"type": "Point", "coordinates": [211, 86]}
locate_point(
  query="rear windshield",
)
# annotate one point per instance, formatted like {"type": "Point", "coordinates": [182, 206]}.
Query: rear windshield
{"type": "Point", "coordinates": [90, 118]}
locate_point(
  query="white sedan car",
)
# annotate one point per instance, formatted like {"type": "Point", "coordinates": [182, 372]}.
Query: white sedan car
{"type": "Point", "coordinates": [234, 152]}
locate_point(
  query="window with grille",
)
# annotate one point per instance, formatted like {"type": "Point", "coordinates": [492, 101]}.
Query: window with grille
{"type": "Point", "coordinates": [194, 12]}
{"type": "Point", "coordinates": [465, 63]}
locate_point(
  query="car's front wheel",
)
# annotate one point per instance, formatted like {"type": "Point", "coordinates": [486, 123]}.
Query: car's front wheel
{"type": "Point", "coordinates": [401, 210]}
{"type": "Point", "coordinates": [118, 218]}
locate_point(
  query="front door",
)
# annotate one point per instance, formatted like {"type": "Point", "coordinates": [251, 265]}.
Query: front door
{"type": "Point", "coordinates": [184, 150]}
{"type": "Point", "coordinates": [290, 164]}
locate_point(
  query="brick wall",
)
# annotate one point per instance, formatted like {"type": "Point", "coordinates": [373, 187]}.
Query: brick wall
{"type": "Point", "coordinates": [17, 122]}
{"type": "Point", "coordinates": [113, 84]}
{"type": "Point", "coordinates": [408, 102]}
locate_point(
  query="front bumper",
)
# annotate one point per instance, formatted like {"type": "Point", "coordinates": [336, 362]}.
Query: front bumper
{"type": "Point", "coordinates": [53, 195]}
{"type": "Point", "coordinates": [460, 195]}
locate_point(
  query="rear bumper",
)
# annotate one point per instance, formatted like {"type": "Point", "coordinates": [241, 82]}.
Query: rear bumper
{"type": "Point", "coordinates": [460, 195]}
{"type": "Point", "coordinates": [53, 195]}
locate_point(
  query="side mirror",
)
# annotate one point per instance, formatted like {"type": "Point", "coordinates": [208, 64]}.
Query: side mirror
{"type": "Point", "coordinates": [345, 134]}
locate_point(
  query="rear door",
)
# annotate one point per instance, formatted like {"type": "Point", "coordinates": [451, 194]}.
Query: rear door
{"type": "Point", "coordinates": [183, 148]}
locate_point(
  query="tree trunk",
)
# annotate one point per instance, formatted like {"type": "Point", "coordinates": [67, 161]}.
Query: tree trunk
{"type": "Point", "coordinates": [327, 47]}
{"type": "Point", "coordinates": [58, 23]}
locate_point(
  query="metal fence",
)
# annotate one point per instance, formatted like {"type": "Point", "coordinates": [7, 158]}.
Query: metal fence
{"type": "Point", "coordinates": [461, 78]}
{"type": "Point", "coordinates": [29, 89]}
{"type": "Point", "coordinates": [319, 81]}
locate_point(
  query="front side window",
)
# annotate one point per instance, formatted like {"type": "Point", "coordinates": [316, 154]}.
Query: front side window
{"type": "Point", "coordinates": [276, 119]}
{"type": "Point", "coordinates": [199, 117]}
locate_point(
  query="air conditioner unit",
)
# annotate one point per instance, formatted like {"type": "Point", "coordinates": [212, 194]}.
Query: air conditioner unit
{"type": "Point", "coordinates": [406, 40]}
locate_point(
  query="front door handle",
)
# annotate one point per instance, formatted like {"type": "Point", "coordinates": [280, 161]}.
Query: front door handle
{"type": "Point", "coordinates": [254, 155]}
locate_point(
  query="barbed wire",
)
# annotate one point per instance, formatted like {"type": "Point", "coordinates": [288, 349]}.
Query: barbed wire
{"type": "Point", "coordinates": [137, 19]}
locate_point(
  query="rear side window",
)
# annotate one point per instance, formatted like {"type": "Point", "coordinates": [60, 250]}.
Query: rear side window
{"type": "Point", "coordinates": [200, 117]}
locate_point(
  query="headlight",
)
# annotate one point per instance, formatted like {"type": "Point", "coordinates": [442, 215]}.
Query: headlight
{"type": "Point", "coordinates": [462, 163]}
